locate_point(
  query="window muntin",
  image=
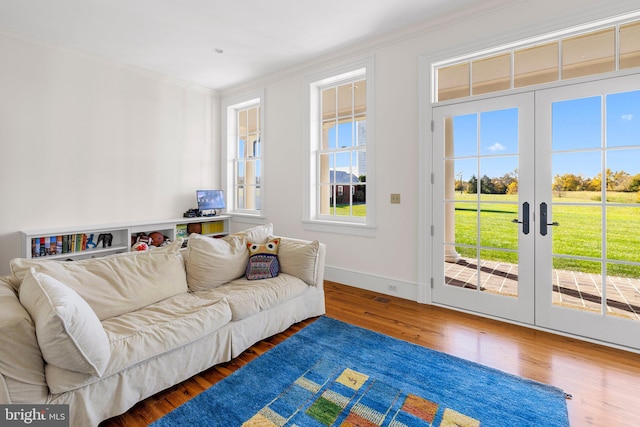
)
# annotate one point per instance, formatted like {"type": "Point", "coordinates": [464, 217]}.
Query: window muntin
{"type": "Point", "coordinates": [559, 56]}
{"type": "Point", "coordinates": [245, 156]}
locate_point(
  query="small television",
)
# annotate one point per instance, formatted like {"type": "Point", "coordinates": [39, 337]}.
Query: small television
{"type": "Point", "coordinates": [209, 201]}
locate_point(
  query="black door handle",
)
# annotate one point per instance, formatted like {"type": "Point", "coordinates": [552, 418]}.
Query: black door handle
{"type": "Point", "coordinates": [525, 218]}
{"type": "Point", "coordinates": [543, 219]}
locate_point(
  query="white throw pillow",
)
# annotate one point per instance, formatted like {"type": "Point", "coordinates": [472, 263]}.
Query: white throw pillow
{"type": "Point", "coordinates": [258, 234]}
{"type": "Point", "coordinates": [68, 331]}
{"type": "Point", "coordinates": [299, 258]}
{"type": "Point", "coordinates": [213, 262]}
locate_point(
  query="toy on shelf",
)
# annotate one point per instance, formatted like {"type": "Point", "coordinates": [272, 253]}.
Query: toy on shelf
{"type": "Point", "coordinates": [106, 239]}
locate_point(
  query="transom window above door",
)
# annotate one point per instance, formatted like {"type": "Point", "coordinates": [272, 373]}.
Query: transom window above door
{"type": "Point", "coordinates": [602, 47]}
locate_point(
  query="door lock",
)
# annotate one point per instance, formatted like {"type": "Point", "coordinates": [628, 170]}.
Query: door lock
{"type": "Point", "coordinates": [525, 218]}
{"type": "Point", "coordinates": [543, 220]}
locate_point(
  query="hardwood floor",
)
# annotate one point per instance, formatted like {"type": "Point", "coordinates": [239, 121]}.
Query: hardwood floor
{"type": "Point", "coordinates": [604, 382]}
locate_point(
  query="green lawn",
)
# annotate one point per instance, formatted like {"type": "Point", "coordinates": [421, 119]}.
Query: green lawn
{"type": "Point", "coordinates": [579, 233]}
{"type": "Point", "coordinates": [358, 210]}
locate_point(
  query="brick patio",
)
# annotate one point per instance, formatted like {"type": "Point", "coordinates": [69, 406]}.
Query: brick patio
{"type": "Point", "coordinates": [570, 288]}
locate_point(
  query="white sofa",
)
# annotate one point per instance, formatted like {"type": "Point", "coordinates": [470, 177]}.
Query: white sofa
{"type": "Point", "coordinates": [105, 333]}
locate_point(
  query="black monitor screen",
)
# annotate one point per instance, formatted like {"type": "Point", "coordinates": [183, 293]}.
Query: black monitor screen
{"type": "Point", "coordinates": [210, 199]}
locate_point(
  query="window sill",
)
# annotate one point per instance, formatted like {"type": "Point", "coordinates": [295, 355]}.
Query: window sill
{"type": "Point", "coordinates": [349, 228]}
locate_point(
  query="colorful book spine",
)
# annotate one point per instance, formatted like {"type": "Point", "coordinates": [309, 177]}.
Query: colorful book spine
{"type": "Point", "coordinates": [58, 244]}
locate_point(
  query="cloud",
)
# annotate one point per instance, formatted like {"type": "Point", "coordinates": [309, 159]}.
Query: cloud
{"type": "Point", "coordinates": [627, 117]}
{"type": "Point", "coordinates": [496, 147]}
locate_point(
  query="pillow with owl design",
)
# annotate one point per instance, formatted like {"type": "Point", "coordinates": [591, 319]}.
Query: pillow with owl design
{"type": "Point", "coordinates": [263, 260]}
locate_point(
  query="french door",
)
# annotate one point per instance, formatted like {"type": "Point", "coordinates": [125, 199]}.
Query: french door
{"type": "Point", "coordinates": [536, 210]}
{"type": "Point", "coordinates": [482, 259]}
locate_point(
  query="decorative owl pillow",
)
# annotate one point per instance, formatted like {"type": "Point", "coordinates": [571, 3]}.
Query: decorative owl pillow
{"type": "Point", "coordinates": [263, 260]}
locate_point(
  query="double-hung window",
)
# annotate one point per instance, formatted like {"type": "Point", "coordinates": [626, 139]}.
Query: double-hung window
{"type": "Point", "coordinates": [341, 147]}
{"type": "Point", "coordinates": [244, 156]}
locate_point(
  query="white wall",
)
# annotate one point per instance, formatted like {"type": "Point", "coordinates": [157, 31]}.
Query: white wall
{"type": "Point", "coordinates": [84, 141]}
{"type": "Point", "coordinates": [392, 257]}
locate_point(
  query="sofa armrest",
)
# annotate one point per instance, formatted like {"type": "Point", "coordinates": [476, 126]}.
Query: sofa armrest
{"type": "Point", "coordinates": [304, 259]}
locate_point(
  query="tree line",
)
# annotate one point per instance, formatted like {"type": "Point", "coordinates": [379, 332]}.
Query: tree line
{"type": "Point", "coordinates": [508, 183]}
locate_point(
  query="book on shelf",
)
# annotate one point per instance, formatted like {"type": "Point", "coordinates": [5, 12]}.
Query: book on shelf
{"type": "Point", "coordinates": [212, 227]}
{"type": "Point", "coordinates": [181, 231]}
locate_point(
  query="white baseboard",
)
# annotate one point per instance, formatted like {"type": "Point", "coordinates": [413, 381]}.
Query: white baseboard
{"type": "Point", "coordinates": [383, 285]}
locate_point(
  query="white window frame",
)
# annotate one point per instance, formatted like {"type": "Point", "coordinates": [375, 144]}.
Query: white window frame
{"type": "Point", "coordinates": [363, 226]}
{"type": "Point", "coordinates": [230, 107]}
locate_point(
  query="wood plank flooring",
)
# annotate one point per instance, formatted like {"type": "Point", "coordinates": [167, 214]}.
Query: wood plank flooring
{"type": "Point", "coordinates": [604, 382]}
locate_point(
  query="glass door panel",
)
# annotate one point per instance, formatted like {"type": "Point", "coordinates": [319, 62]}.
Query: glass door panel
{"type": "Point", "coordinates": [587, 161]}
{"type": "Point", "coordinates": [483, 148]}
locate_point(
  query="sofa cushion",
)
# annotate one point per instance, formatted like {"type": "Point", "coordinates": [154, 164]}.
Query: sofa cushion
{"type": "Point", "coordinates": [214, 262]}
{"type": "Point", "coordinates": [263, 260]}
{"type": "Point", "coordinates": [299, 258]}
{"type": "Point", "coordinates": [150, 332]}
{"type": "Point", "coordinates": [68, 331]}
{"type": "Point", "coordinates": [246, 297]}
{"type": "Point", "coordinates": [258, 234]}
{"type": "Point", "coordinates": [118, 284]}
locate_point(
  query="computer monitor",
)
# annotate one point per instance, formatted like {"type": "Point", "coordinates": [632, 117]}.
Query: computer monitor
{"type": "Point", "coordinates": [209, 201]}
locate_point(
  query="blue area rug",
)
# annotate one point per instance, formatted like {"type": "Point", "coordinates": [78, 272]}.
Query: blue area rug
{"type": "Point", "coordinates": [335, 374]}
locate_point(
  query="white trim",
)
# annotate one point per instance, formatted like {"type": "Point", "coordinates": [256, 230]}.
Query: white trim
{"type": "Point", "coordinates": [374, 283]}
{"type": "Point", "coordinates": [425, 169]}
{"type": "Point", "coordinates": [331, 75]}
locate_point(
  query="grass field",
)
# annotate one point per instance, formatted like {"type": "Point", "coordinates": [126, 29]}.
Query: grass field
{"type": "Point", "coordinates": [579, 233]}
{"type": "Point", "coordinates": [358, 210]}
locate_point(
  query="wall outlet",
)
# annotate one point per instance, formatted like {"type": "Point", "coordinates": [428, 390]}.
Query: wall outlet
{"type": "Point", "coordinates": [393, 288]}
{"type": "Point", "coordinates": [395, 198]}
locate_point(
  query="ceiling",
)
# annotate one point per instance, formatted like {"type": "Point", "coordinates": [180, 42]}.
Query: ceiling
{"type": "Point", "coordinates": [183, 38]}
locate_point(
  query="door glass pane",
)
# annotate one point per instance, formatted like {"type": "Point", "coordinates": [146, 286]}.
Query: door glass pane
{"type": "Point", "coordinates": [536, 65]}
{"type": "Point", "coordinates": [499, 175]}
{"type": "Point", "coordinates": [623, 235]}
{"type": "Point", "coordinates": [453, 82]}
{"type": "Point", "coordinates": [630, 45]}
{"type": "Point", "coordinates": [623, 119]}
{"type": "Point", "coordinates": [587, 54]}
{"type": "Point", "coordinates": [577, 284]}
{"type": "Point", "coordinates": [499, 132]}
{"type": "Point", "coordinates": [577, 176]}
{"type": "Point", "coordinates": [623, 291]}
{"type": "Point", "coordinates": [496, 228]}
{"type": "Point", "coordinates": [491, 74]}
{"type": "Point", "coordinates": [465, 131]}
{"type": "Point", "coordinates": [579, 232]}
{"type": "Point", "coordinates": [464, 272]}
{"type": "Point", "coordinates": [577, 123]}
{"type": "Point", "coordinates": [486, 260]}
{"type": "Point", "coordinates": [499, 273]}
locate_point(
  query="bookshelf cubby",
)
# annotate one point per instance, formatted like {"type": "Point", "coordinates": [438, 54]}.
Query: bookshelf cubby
{"type": "Point", "coordinates": [76, 243]}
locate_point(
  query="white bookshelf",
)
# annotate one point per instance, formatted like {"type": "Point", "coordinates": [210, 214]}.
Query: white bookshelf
{"type": "Point", "coordinates": [214, 226]}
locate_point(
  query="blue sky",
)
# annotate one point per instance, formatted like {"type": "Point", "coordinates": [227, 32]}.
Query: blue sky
{"type": "Point", "coordinates": [576, 126]}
